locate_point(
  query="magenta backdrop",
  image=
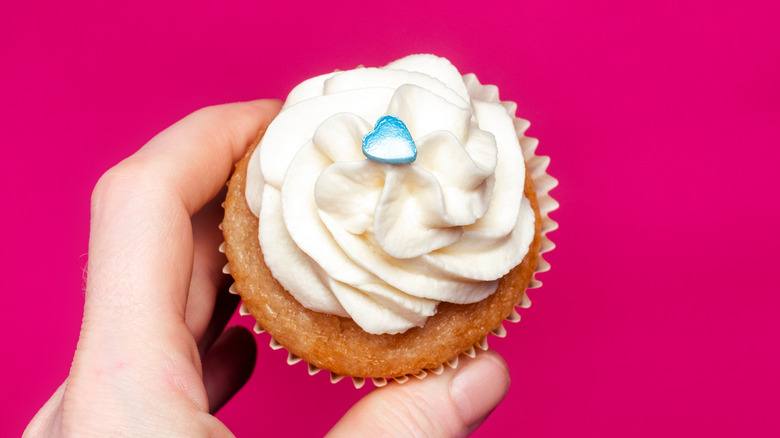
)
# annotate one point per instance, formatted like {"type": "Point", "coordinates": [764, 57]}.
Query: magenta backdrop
{"type": "Point", "coordinates": [659, 316]}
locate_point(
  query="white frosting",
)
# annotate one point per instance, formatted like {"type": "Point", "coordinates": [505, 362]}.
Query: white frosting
{"type": "Point", "coordinates": [384, 243]}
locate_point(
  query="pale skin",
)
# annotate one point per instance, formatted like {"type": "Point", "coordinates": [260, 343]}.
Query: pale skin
{"type": "Point", "coordinates": [153, 358]}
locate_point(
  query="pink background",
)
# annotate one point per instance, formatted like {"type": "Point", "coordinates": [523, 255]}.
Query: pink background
{"type": "Point", "coordinates": [660, 315]}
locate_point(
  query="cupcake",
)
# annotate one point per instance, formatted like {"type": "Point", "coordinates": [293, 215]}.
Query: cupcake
{"type": "Point", "coordinates": [388, 220]}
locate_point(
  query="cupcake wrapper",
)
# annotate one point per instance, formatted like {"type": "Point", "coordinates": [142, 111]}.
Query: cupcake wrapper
{"type": "Point", "coordinates": [543, 183]}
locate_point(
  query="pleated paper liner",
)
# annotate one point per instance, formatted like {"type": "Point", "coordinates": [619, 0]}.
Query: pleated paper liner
{"type": "Point", "coordinates": [543, 183]}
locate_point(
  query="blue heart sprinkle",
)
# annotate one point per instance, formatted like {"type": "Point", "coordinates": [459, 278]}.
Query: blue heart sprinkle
{"type": "Point", "coordinates": [389, 142]}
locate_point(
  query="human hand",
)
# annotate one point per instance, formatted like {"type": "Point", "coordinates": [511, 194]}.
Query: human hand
{"type": "Point", "coordinates": [153, 358]}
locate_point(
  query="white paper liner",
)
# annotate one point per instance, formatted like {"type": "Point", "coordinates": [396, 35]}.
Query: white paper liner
{"type": "Point", "coordinates": [543, 183]}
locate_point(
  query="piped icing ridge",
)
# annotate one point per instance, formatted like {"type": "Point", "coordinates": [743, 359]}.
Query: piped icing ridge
{"type": "Point", "coordinates": [383, 243]}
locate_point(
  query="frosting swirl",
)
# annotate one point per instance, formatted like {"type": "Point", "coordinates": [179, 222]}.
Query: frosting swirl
{"type": "Point", "coordinates": [384, 243]}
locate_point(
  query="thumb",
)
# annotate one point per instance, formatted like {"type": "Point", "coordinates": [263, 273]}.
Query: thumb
{"type": "Point", "coordinates": [453, 404]}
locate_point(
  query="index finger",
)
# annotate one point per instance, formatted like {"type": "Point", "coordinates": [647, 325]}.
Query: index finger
{"type": "Point", "coordinates": [195, 155]}
{"type": "Point", "coordinates": [140, 251]}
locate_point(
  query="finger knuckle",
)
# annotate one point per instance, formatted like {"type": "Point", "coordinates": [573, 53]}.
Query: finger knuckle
{"type": "Point", "coordinates": [128, 180]}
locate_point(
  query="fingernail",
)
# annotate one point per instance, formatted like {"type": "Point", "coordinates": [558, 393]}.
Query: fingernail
{"type": "Point", "coordinates": [478, 387]}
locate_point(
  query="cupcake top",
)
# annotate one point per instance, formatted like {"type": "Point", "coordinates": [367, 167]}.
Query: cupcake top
{"type": "Point", "coordinates": [384, 242]}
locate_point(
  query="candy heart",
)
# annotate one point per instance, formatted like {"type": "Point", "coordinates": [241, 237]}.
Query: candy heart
{"type": "Point", "coordinates": [389, 142]}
